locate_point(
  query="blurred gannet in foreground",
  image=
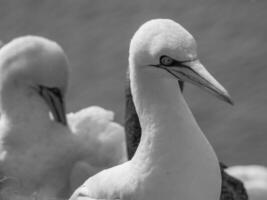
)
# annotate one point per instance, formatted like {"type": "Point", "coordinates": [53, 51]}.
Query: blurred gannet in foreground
{"type": "Point", "coordinates": [232, 188]}
{"type": "Point", "coordinates": [39, 155]}
{"type": "Point", "coordinates": [167, 164]}
{"type": "Point", "coordinates": [254, 178]}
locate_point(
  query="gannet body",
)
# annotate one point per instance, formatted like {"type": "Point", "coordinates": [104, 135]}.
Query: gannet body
{"type": "Point", "coordinates": [232, 186]}
{"type": "Point", "coordinates": [39, 153]}
{"type": "Point", "coordinates": [167, 164]}
{"type": "Point", "coordinates": [33, 79]}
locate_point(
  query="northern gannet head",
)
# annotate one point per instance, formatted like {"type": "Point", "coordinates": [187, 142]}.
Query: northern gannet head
{"type": "Point", "coordinates": [37, 67]}
{"type": "Point", "coordinates": [165, 46]}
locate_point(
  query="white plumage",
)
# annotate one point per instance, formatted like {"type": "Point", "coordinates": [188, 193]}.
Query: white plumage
{"type": "Point", "coordinates": [254, 178]}
{"type": "Point", "coordinates": [104, 139]}
{"type": "Point", "coordinates": [174, 160]}
{"type": "Point", "coordinates": [40, 157]}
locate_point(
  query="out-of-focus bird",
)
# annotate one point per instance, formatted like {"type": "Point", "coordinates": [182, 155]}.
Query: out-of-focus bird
{"type": "Point", "coordinates": [254, 178]}
{"type": "Point", "coordinates": [39, 154]}
{"type": "Point", "coordinates": [168, 164]}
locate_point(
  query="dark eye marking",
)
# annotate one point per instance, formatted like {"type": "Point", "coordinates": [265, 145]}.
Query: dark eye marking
{"type": "Point", "coordinates": [169, 62]}
{"type": "Point", "coordinates": [166, 60]}
{"type": "Point", "coordinates": [56, 91]}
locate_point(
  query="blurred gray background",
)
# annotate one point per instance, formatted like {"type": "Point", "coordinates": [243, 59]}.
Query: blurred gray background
{"type": "Point", "coordinates": [231, 38]}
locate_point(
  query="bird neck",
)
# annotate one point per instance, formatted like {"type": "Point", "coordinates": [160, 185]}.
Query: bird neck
{"type": "Point", "coordinates": [24, 117]}
{"type": "Point", "coordinates": [172, 144]}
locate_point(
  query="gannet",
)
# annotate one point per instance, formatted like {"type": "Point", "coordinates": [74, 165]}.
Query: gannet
{"type": "Point", "coordinates": [33, 80]}
{"type": "Point", "coordinates": [232, 186]}
{"type": "Point", "coordinates": [39, 152]}
{"type": "Point", "coordinates": [167, 164]}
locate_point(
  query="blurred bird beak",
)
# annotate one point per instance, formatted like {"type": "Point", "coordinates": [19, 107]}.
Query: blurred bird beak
{"type": "Point", "coordinates": [54, 98]}
{"type": "Point", "coordinates": [181, 85]}
{"type": "Point", "coordinates": [195, 73]}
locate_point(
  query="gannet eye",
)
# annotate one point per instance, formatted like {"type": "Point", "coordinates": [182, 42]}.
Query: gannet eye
{"type": "Point", "coordinates": [166, 61]}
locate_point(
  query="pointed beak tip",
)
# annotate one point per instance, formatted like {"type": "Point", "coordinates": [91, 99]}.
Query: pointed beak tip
{"type": "Point", "coordinates": [195, 73]}
{"type": "Point", "coordinates": [231, 102]}
{"type": "Point", "coordinates": [227, 98]}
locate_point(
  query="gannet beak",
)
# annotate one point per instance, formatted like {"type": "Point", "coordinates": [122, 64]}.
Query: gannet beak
{"type": "Point", "coordinates": [54, 98]}
{"type": "Point", "coordinates": [195, 73]}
